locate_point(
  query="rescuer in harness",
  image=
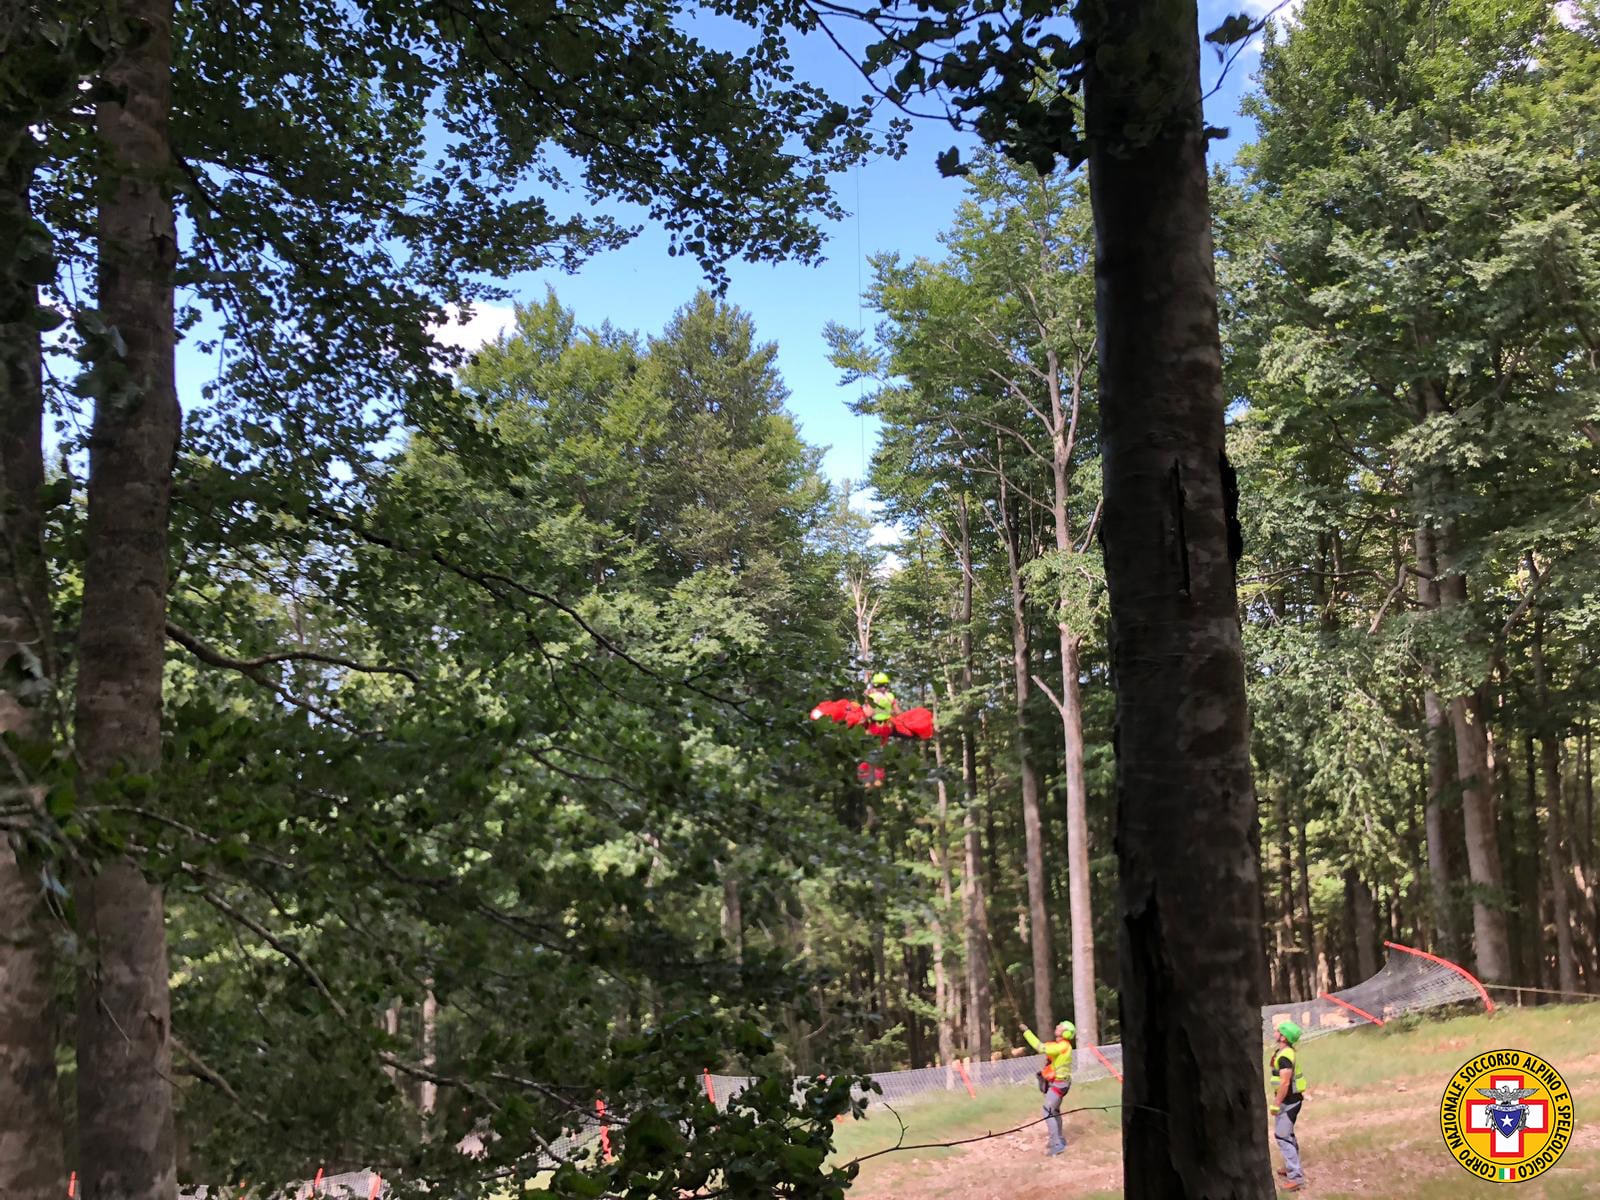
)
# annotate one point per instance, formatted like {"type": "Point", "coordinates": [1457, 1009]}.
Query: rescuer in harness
{"type": "Point", "coordinates": [881, 704]}
{"type": "Point", "coordinates": [1055, 1081]}
{"type": "Point", "coordinates": [1286, 1092]}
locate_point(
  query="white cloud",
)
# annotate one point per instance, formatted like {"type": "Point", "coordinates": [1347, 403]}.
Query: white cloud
{"type": "Point", "coordinates": [485, 324]}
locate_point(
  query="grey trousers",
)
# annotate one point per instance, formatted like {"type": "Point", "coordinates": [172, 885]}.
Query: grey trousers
{"type": "Point", "coordinates": [1052, 1116]}
{"type": "Point", "coordinates": [1288, 1146]}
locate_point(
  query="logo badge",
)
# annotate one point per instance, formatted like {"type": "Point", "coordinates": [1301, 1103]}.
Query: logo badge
{"type": "Point", "coordinates": [1506, 1116]}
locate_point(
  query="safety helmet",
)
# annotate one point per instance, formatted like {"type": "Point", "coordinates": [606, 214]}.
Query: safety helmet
{"type": "Point", "coordinates": [880, 678]}
{"type": "Point", "coordinates": [1066, 1030]}
{"type": "Point", "coordinates": [1290, 1031]}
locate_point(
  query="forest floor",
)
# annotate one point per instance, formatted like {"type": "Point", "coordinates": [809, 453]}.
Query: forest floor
{"type": "Point", "coordinates": [1370, 1126]}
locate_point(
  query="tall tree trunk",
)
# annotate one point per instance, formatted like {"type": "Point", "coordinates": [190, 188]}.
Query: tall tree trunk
{"type": "Point", "coordinates": [732, 913]}
{"type": "Point", "coordinates": [428, 1092]}
{"type": "Point", "coordinates": [32, 1166]}
{"type": "Point", "coordinates": [1491, 940]}
{"type": "Point", "coordinates": [1296, 956]}
{"type": "Point", "coordinates": [125, 1123]}
{"type": "Point", "coordinates": [1440, 776]}
{"type": "Point", "coordinates": [940, 852]}
{"type": "Point", "coordinates": [1192, 975]}
{"type": "Point", "coordinates": [975, 908]}
{"type": "Point", "coordinates": [1032, 816]}
{"type": "Point", "coordinates": [1310, 936]}
{"type": "Point", "coordinates": [1555, 835]}
{"type": "Point", "coordinates": [1363, 962]}
{"type": "Point", "coordinates": [1064, 411]}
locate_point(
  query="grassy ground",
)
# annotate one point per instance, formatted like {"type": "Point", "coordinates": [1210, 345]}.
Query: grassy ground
{"type": "Point", "coordinates": [1369, 1128]}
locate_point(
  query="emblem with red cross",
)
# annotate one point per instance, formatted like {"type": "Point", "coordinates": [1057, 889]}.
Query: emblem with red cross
{"type": "Point", "coordinates": [1502, 1122]}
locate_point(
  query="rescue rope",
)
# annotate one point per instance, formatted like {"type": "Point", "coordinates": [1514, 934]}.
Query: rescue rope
{"type": "Point", "coordinates": [983, 1137]}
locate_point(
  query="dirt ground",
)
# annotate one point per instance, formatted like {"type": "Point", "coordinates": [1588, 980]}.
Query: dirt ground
{"type": "Point", "coordinates": [1369, 1128]}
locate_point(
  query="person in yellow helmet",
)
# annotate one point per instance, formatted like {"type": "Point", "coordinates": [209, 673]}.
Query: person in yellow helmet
{"type": "Point", "coordinates": [881, 704]}
{"type": "Point", "coordinates": [1286, 1092]}
{"type": "Point", "coordinates": [1055, 1081]}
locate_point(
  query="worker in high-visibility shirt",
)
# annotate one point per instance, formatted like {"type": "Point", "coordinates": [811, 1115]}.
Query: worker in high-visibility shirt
{"type": "Point", "coordinates": [1055, 1081]}
{"type": "Point", "coordinates": [1286, 1092]}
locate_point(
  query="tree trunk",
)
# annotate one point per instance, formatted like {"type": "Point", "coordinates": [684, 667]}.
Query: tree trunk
{"type": "Point", "coordinates": [1440, 777]}
{"type": "Point", "coordinates": [1192, 975]}
{"type": "Point", "coordinates": [1363, 929]}
{"type": "Point", "coordinates": [732, 913]}
{"type": "Point", "coordinates": [428, 1093]}
{"type": "Point", "coordinates": [940, 853]}
{"type": "Point", "coordinates": [1490, 938]}
{"type": "Point", "coordinates": [975, 910]}
{"type": "Point", "coordinates": [32, 1165]}
{"type": "Point", "coordinates": [1032, 817]}
{"type": "Point", "coordinates": [125, 1122]}
{"type": "Point", "coordinates": [1555, 835]}
{"type": "Point", "coordinates": [1310, 936]}
{"type": "Point", "coordinates": [1080, 902]}
{"type": "Point", "coordinates": [1296, 956]}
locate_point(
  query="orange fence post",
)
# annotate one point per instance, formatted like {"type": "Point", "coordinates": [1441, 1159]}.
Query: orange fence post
{"type": "Point", "coordinates": [711, 1092]}
{"type": "Point", "coordinates": [1360, 1012]}
{"type": "Point", "coordinates": [1096, 1052]}
{"type": "Point", "coordinates": [72, 1186]}
{"type": "Point", "coordinates": [605, 1127]}
{"type": "Point", "coordinates": [316, 1184]}
{"type": "Point", "coordinates": [961, 1065]}
{"type": "Point", "coordinates": [376, 1188]}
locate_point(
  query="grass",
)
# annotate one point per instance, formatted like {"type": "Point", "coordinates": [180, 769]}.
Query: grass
{"type": "Point", "coordinates": [1370, 1126]}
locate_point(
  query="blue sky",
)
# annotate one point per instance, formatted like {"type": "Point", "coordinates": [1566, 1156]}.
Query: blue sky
{"type": "Point", "coordinates": [893, 205]}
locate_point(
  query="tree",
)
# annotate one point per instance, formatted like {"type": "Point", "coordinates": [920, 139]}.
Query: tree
{"type": "Point", "coordinates": [1186, 828]}
{"type": "Point", "coordinates": [1415, 226]}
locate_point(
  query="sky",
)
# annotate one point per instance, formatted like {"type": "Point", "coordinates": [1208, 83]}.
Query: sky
{"type": "Point", "coordinates": [892, 205]}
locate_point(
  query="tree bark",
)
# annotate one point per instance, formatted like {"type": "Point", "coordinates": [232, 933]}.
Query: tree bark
{"type": "Point", "coordinates": [1032, 816]}
{"type": "Point", "coordinates": [125, 1120]}
{"type": "Point", "coordinates": [1192, 973]}
{"type": "Point", "coordinates": [32, 1165]}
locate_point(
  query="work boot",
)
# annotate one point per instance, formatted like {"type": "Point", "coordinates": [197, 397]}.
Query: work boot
{"type": "Point", "coordinates": [1293, 1185]}
{"type": "Point", "coordinates": [1055, 1150]}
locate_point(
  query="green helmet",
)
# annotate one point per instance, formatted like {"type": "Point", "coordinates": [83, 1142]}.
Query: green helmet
{"type": "Point", "coordinates": [1290, 1031]}
{"type": "Point", "coordinates": [1066, 1030]}
{"type": "Point", "coordinates": [880, 678]}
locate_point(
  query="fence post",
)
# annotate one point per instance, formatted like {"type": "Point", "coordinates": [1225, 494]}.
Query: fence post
{"type": "Point", "coordinates": [376, 1187]}
{"type": "Point", "coordinates": [961, 1064]}
{"type": "Point", "coordinates": [605, 1127]}
{"type": "Point", "coordinates": [711, 1092]}
{"type": "Point", "coordinates": [72, 1186]}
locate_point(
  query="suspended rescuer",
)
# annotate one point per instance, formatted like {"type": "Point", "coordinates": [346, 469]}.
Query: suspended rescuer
{"type": "Point", "coordinates": [881, 704]}
{"type": "Point", "coordinates": [1286, 1092]}
{"type": "Point", "coordinates": [1055, 1081]}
